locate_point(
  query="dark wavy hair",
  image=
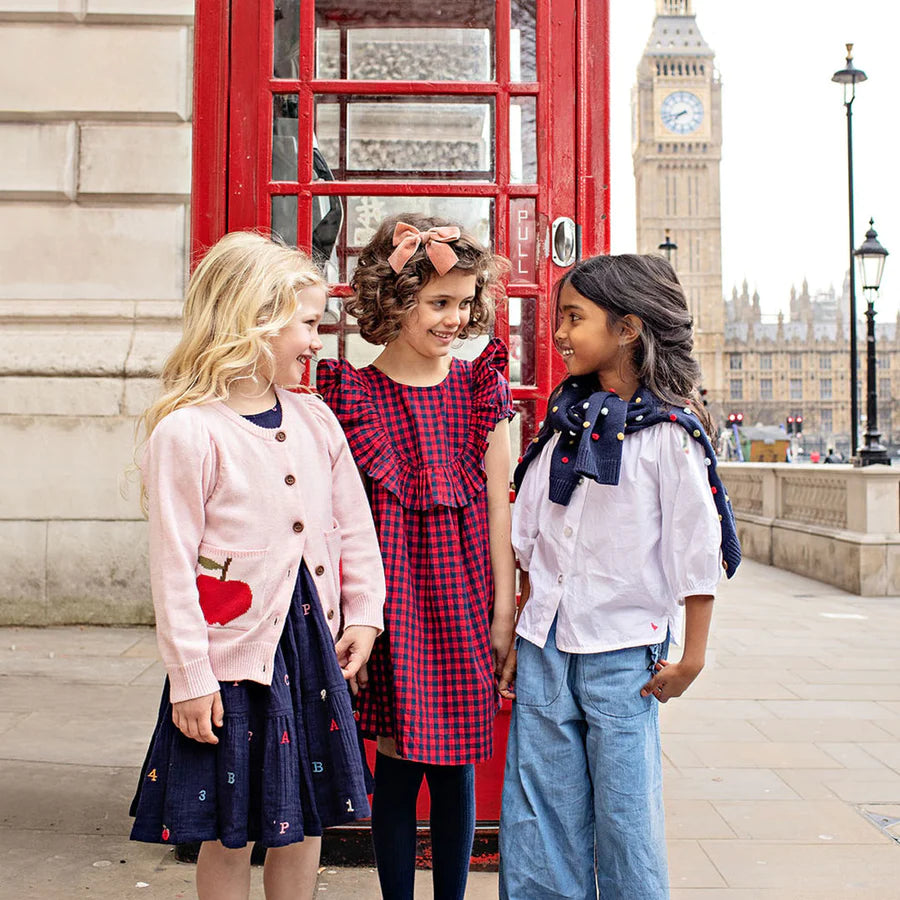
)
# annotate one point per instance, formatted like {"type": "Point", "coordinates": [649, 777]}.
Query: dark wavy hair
{"type": "Point", "coordinates": [383, 298]}
{"type": "Point", "coordinates": [646, 286]}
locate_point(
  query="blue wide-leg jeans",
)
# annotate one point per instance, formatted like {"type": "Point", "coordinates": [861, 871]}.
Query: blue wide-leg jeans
{"type": "Point", "coordinates": [582, 806]}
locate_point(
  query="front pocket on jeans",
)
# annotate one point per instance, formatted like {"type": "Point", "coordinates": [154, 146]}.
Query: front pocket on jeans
{"type": "Point", "coordinates": [612, 682]}
{"type": "Point", "coordinates": [539, 673]}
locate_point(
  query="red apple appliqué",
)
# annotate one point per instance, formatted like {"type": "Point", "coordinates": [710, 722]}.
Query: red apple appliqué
{"type": "Point", "coordinates": [222, 601]}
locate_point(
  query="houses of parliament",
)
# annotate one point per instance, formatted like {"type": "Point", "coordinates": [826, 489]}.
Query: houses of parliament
{"type": "Point", "coordinates": [797, 366]}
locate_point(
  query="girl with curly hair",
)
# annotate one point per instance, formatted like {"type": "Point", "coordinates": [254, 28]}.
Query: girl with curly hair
{"type": "Point", "coordinates": [430, 434]}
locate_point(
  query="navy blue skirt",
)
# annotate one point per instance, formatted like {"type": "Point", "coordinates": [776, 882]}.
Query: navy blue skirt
{"type": "Point", "coordinates": [289, 761]}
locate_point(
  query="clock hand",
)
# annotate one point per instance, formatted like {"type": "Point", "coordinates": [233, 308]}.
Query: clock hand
{"type": "Point", "coordinates": [682, 113]}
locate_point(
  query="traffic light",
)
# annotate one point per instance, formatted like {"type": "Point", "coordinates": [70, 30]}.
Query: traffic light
{"type": "Point", "coordinates": [794, 424]}
{"type": "Point", "coordinates": [735, 418]}
{"type": "Point", "coordinates": [703, 393]}
{"type": "Point", "coordinates": [790, 424]}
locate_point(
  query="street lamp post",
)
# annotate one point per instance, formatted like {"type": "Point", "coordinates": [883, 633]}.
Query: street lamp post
{"type": "Point", "coordinates": [871, 256]}
{"type": "Point", "coordinates": [848, 77]}
{"type": "Point", "coordinates": [668, 246]}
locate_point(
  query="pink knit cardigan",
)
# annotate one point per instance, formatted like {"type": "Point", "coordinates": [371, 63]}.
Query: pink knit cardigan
{"type": "Point", "coordinates": [233, 510]}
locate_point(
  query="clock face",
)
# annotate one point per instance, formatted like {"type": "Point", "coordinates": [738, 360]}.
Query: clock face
{"type": "Point", "coordinates": [681, 112]}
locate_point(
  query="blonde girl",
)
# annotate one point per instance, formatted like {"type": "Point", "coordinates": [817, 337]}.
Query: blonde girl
{"type": "Point", "coordinates": [253, 502]}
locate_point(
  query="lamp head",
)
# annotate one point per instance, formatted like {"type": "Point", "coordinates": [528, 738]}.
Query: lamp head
{"type": "Point", "coordinates": [668, 246]}
{"type": "Point", "coordinates": [871, 256]}
{"type": "Point", "coordinates": [849, 76]}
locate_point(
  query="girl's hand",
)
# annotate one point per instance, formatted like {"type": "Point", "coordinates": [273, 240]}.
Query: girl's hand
{"type": "Point", "coordinates": [195, 718]}
{"type": "Point", "coordinates": [353, 649]}
{"type": "Point", "coordinates": [671, 680]}
{"type": "Point", "coordinates": [507, 680]}
{"type": "Point", "coordinates": [502, 634]}
{"type": "Point", "coordinates": [359, 680]}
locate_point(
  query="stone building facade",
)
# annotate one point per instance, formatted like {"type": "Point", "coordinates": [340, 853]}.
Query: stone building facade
{"type": "Point", "coordinates": [95, 111]}
{"type": "Point", "coordinates": [800, 366]}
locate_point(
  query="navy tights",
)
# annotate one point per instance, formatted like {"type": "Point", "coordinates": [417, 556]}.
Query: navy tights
{"type": "Point", "coordinates": [452, 789]}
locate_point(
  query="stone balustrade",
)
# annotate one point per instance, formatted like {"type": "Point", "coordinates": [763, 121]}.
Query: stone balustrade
{"type": "Point", "coordinates": [835, 523]}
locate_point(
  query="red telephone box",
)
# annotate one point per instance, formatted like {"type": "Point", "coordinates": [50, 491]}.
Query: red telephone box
{"type": "Point", "coordinates": [316, 118]}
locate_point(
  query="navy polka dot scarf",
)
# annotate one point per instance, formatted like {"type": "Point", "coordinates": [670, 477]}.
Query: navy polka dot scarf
{"type": "Point", "coordinates": [592, 425]}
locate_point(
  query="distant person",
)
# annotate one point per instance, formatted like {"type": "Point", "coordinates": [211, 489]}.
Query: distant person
{"type": "Point", "coordinates": [258, 525]}
{"type": "Point", "coordinates": [430, 434]}
{"type": "Point", "coordinates": [832, 457]}
{"type": "Point", "coordinates": [620, 524]}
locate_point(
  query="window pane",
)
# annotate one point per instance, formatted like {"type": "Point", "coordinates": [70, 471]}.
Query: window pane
{"type": "Point", "coordinates": [380, 49]}
{"type": "Point", "coordinates": [329, 348]}
{"type": "Point", "coordinates": [522, 367]}
{"type": "Point", "coordinates": [287, 39]}
{"type": "Point", "coordinates": [416, 137]}
{"type": "Point", "coordinates": [363, 214]}
{"type": "Point", "coordinates": [522, 59]}
{"type": "Point", "coordinates": [523, 140]}
{"type": "Point", "coordinates": [360, 352]}
{"type": "Point", "coordinates": [284, 137]}
{"type": "Point", "coordinates": [523, 427]}
{"type": "Point", "coordinates": [284, 218]}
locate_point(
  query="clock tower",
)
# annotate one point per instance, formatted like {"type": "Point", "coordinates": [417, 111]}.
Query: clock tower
{"type": "Point", "coordinates": [677, 148]}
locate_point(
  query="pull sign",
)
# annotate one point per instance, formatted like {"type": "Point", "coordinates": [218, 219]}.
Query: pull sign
{"type": "Point", "coordinates": [522, 240]}
{"type": "Point", "coordinates": [563, 241]}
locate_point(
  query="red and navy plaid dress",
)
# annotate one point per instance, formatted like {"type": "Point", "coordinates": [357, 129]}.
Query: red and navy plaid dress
{"type": "Point", "coordinates": [431, 684]}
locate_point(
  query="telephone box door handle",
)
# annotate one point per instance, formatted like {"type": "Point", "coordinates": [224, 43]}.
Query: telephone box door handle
{"type": "Point", "coordinates": [564, 241]}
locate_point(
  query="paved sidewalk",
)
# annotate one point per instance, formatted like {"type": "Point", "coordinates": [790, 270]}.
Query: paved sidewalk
{"type": "Point", "coordinates": [782, 764]}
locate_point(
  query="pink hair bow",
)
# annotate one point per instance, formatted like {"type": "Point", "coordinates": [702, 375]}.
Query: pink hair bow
{"type": "Point", "coordinates": [407, 239]}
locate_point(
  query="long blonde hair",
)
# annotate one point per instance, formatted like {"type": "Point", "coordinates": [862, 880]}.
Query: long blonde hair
{"type": "Point", "coordinates": [243, 292]}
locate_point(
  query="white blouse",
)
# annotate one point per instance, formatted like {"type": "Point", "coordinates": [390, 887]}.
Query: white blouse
{"type": "Point", "coordinates": [616, 564]}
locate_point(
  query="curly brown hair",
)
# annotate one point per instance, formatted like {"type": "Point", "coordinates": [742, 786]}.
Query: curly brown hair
{"type": "Point", "coordinates": [383, 298]}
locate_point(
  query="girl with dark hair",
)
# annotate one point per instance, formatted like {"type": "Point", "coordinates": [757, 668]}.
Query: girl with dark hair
{"type": "Point", "coordinates": [621, 525]}
{"type": "Point", "coordinates": [430, 434]}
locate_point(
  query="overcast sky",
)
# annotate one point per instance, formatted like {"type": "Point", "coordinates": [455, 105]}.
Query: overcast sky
{"type": "Point", "coordinates": [784, 158]}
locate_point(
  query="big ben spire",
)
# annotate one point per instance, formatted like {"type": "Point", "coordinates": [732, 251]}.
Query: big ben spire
{"type": "Point", "coordinates": [677, 149]}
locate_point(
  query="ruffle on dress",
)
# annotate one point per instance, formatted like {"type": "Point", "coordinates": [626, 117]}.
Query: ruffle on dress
{"type": "Point", "coordinates": [454, 483]}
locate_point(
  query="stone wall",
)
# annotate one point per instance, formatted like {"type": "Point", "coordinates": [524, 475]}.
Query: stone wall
{"type": "Point", "coordinates": [95, 110]}
{"type": "Point", "coordinates": [834, 523]}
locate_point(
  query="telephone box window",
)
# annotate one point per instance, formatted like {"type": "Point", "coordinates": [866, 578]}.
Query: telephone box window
{"type": "Point", "coordinates": [523, 140]}
{"type": "Point", "coordinates": [362, 41]}
{"type": "Point", "coordinates": [363, 215]}
{"type": "Point", "coordinates": [371, 137]}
